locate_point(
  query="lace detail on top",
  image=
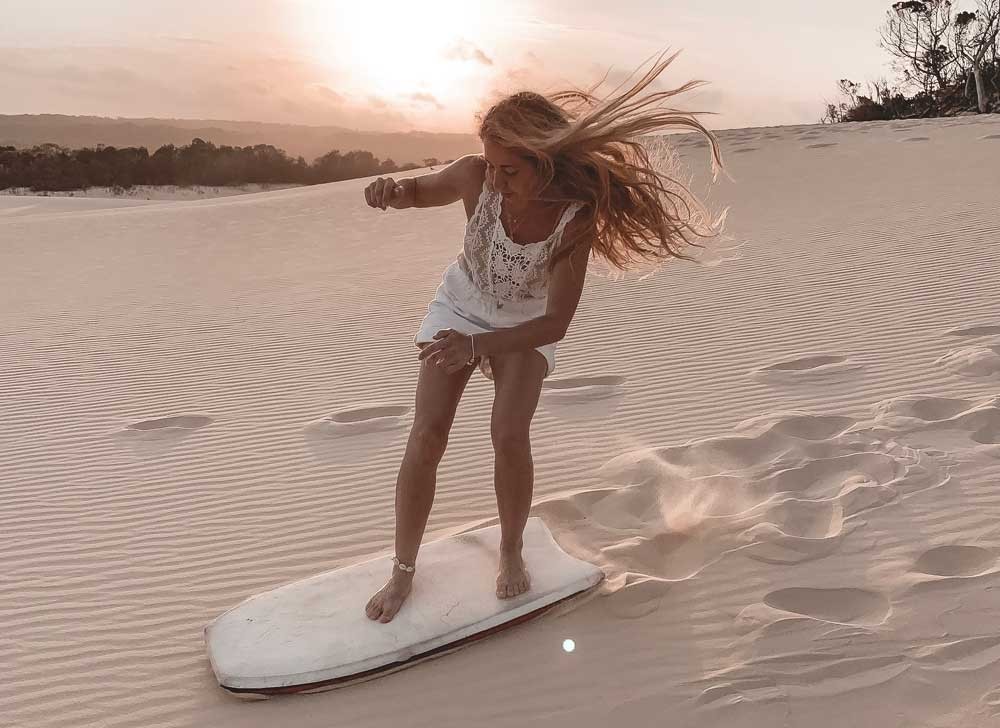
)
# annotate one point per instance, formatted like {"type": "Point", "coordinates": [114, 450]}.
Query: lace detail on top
{"type": "Point", "coordinates": [499, 266]}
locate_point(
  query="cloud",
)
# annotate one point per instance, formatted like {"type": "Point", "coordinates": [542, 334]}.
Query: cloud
{"type": "Point", "coordinates": [463, 50]}
{"type": "Point", "coordinates": [330, 95]}
{"type": "Point", "coordinates": [175, 79]}
{"type": "Point", "coordinates": [426, 98]}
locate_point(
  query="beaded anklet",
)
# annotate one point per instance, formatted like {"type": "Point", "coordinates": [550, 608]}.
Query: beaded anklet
{"type": "Point", "coordinates": [401, 566]}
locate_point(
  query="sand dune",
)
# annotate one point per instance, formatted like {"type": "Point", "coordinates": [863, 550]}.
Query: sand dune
{"type": "Point", "coordinates": [785, 461]}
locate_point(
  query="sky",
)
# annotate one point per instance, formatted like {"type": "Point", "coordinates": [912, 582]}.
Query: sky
{"type": "Point", "coordinates": [429, 65]}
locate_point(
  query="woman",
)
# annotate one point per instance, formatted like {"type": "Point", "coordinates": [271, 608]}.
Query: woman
{"type": "Point", "coordinates": [561, 178]}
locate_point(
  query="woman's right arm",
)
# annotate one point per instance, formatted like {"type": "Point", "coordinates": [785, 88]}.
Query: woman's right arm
{"type": "Point", "coordinates": [427, 190]}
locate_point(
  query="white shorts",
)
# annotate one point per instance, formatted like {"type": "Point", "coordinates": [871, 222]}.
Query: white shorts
{"type": "Point", "coordinates": [461, 305]}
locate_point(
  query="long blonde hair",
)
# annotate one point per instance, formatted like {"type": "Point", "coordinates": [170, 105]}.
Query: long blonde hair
{"type": "Point", "coordinates": [588, 150]}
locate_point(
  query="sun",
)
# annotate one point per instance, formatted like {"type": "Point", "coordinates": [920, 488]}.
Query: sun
{"type": "Point", "coordinates": [398, 49]}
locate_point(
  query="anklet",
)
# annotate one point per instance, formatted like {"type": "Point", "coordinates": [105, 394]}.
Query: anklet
{"type": "Point", "coordinates": [401, 566]}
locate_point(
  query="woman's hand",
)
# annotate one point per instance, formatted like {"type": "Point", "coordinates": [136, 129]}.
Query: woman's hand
{"type": "Point", "coordinates": [451, 350]}
{"type": "Point", "coordinates": [385, 191]}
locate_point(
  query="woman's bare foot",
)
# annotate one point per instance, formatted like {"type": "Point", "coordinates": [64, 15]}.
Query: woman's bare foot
{"type": "Point", "coordinates": [387, 600]}
{"type": "Point", "coordinates": [514, 578]}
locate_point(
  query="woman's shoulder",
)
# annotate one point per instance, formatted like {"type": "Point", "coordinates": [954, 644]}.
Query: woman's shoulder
{"type": "Point", "coordinates": [578, 228]}
{"type": "Point", "coordinates": [475, 176]}
{"type": "Point", "coordinates": [473, 181]}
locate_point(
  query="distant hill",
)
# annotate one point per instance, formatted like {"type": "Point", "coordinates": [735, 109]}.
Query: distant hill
{"type": "Point", "coordinates": [309, 142]}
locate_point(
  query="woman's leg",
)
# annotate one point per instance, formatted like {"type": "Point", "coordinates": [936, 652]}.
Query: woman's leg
{"type": "Point", "coordinates": [517, 379]}
{"type": "Point", "coordinates": [437, 398]}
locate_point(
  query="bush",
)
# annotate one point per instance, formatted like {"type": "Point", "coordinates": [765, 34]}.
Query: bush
{"type": "Point", "coordinates": [49, 167]}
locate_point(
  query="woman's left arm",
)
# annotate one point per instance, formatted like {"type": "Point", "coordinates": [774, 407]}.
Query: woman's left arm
{"type": "Point", "coordinates": [565, 287]}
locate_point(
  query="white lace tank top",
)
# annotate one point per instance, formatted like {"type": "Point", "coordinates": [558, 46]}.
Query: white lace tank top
{"type": "Point", "coordinates": [499, 266]}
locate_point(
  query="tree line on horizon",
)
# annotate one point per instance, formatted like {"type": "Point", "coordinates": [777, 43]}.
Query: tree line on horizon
{"type": "Point", "coordinates": [53, 168]}
{"type": "Point", "coordinates": [948, 59]}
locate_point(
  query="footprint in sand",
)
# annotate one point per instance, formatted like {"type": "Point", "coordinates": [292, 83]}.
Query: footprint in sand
{"type": "Point", "coordinates": [574, 390]}
{"type": "Point", "coordinates": [958, 655]}
{"type": "Point", "coordinates": [841, 606]}
{"type": "Point", "coordinates": [951, 423]}
{"type": "Point", "coordinates": [821, 146]}
{"type": "Point", "coordinates": [786, 488]}
{"type": "Point", "coordinates": [806, 368]}
{"type": "Point", "coordinates": [923, 409]}
{"type": "Point", "coordinates": [361, 420]}
{"type": "Point", "coordinates": [809, 458]}
{"type": "Point", "coordinates": [805, 427]}
{"type": "Point", "coordinates": [979, 361]}
{"type": "Point", "coordinates": [736, 458]}
{"type": "Point", "coordinates": [810, 362]}
{"type": "Point", "coordinates": [985, 330]}
{"type": "Point", "coordinates": [857, 481]}
{"type": "Point", "coordinates": [789, 491]}
{"type": "Point", "coordinates": [180, 422]}
{"type": "Point", "coordinates": [989, 435]}
{"type": "Point", "coordinates": [160, 431]}
{"type": "Point", "coordinates": [956, 561]}
{"type": "Point", "coordinates": [795, 530]}
{"type": "Point", "coordinates": [644, 538]}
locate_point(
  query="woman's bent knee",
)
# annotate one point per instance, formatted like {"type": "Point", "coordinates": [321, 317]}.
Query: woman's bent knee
{"type": "Point", "coordinates": [429, 441]}
{"type": "Point", "coordinates": [510, 443]}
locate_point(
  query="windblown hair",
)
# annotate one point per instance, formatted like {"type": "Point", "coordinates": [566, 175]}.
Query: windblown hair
{"type": "Point", "coordinates": [588, 150]}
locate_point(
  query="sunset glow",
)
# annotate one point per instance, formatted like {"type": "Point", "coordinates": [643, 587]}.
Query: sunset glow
{"type": "Point", "coordinates": [402, 65]}
{"type": "Point", "coordinates": [399, 51]}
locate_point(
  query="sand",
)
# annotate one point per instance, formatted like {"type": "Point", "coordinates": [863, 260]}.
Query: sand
{"type": "Point", "coordinates": [787, 464]}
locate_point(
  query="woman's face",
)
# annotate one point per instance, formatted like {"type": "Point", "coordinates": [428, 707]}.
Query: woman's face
{"type": "Point", "coordinates": [510, 174]}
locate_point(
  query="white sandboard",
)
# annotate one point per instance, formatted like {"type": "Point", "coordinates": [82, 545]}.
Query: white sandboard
{"type": "Point", "coordinates": [314, 635]}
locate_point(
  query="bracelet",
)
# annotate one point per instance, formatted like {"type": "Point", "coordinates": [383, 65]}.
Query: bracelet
{"type": "Point", "coordinates": [401, 566]}
{"type": "Point", "coordinates": [472, 357]}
